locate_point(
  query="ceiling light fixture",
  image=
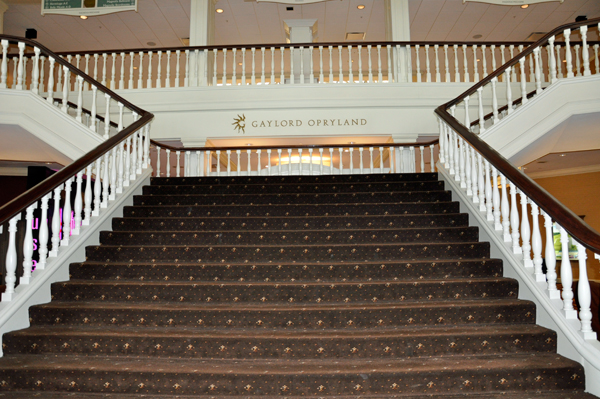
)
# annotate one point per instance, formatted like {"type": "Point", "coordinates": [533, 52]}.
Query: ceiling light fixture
{"type": "Point", "coordinates": [360, 6]}
{"type": "Point", "coordinates": [219, 11]}
{"type": "Point", "coordinates": [248, 144]}
{"type": "Point", "coordinates": [477, 36]}
{"type": "Point", "coordinates": [524, 6]}
{"type": "Point", "coordinates": [83, 16]}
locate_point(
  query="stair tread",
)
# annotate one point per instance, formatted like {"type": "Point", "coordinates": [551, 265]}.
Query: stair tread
{"type": "Point", "coordinates": [334, 367]}
{"type": "Point", "coordinates": [283, 306]}
{"type": "Point", "coordinates": [329, 333]}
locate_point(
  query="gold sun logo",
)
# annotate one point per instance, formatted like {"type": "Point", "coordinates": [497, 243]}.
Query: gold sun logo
{"type": "Point", "coordinates": [239, 123]}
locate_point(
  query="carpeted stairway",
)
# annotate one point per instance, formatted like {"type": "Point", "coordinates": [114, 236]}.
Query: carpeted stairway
{"type": "Point", "coordinates": [370, 286]}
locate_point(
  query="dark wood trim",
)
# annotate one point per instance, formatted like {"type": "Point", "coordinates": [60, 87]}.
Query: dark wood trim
{"type": "Point", "coordinates": [35, 193]}
{"type": "Point", "coordinates": [566, 218]}
{"type": "Point", "coordinates": [293, 147]}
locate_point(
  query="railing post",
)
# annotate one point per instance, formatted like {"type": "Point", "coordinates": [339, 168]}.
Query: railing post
{"type": "Point", "coordinates": [11, 260]}
{"type": "Point", "coordinates": [584, 295]}
{"type": "Point", "coordinates": [87, 211]}
{"type": "Point", "coordinates": [550, 257]}
{"type": "Point", "coordinates": [35, 75]}
{"type": "Point", "coordinates": [28, 246]}
{"type": "Point", "coordinates": [514, 219]}
{"type": "Point", "coordinates": [568, 55]}
{"type": "Point", "coordinates": [525, 232]}
{"type": "Point", "coordinates": [4, 64]}
{"type": "Point", "coordinates": [552, 60]}
{"type": "Point", "coordinates": [20, 68]}
{"type": "Point", "coordinates": [78, 204]}
{"type": "Point", "coordinates": [536, 244]}
{"type": "Point", "coordinates": [566, 276]}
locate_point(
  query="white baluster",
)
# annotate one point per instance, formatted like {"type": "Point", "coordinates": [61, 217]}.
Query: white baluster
{"type": "Point", "coordinates": [381, 159]}
{"type": "Point", "coordinates": [551, 60]}
{"type": "Point", "coordinates": [78, 207]}
{"type": "Point", "coordinates": [508, 90]}
{"type": "Point", "coordinates": [25, 59]}
{"type": "Point", "coordinates": [234, 67]}
{"type": "Point", "coordinates": [224, 78]}
{"type": "Point", "coordinates": [105, 180]}
{"type": "Point", "coordinates": [488, 193]}
{"type": "Point", "coordinates": [4, 64]}
{"type": "Point", "coordinates": [50, 97]}
{"type": "Point", "coordinates": [446, 64]}
{"type": "Point", "coordinates": [200, 163]}
{"type": "Point", "coordinates": [524, 98]}
{"type": "Point", "coordinates": [577, 61]}
{"type": "Point", "coordinates": [149, 78]}
{"type": "Point", "coordinates": [113, 174]}
{"type": "Point", "coordinates": [113, 70]}
{"type": "Point", "coordinates": [566, 276]}
{"type": "Point", "coordinates": [596, 59]}
{"type": "Point", "coordinates": [505, 211]}
{"type": "Point", "coordinates": [379, 72]}
{"type": "Point", "coordinates": [66, 228]}
{"type": "Point", "coordinates": [438, 77]}
{"type": "Point", "coordinates": [290, 161]}
{"type": "Point", "coordinates": [141, 71]}
{"type": "Point", "coordinates": [483, 61]}
{"type": "Point", "coordinates": [584, 295]}
{"type": "Point", "coordinates": [168, 163]}
{"type": "Point", "coordinates": [239, 162]}
{"type": "Point", "coordinates": [158, 70]}
{"type": "Point", "coordinates": [568, 56]}
{"type": "Point", "coordinates": [536, 244]}
{"type": "Point", "coordinates": [272, 65]}
{"type": "Point", "coordinates": [56, 222]}
{"type": "Point", "coordinates": [157, 174]}
{"type": "Point", "coordinates": [97, 190]}
{"type": "Point", "coordinates": [146, 147]}
{"type": "Point", "coordinates": [15, 73]}
{"type": "Point", "coordinates": [262, 67]}
{"type": "Point", "coordinates": [514, 219]}
{"type": "Point", "coordinates": [473, 173]}
{"type": "Point", "coordinates": [465, 64]}
{"type": "Point", "coordinates": [253, 77]}
{"type": "Point", "coordinates": [350, 71]}
{"type": "Point", "coordinates": [186, 165]}
{"type": "Point", "coordinates": [10, 263]}
{"type": "Point", "coordinates": [249, 158]}
{"type": "Point", "coordinates": [20, 68]}
{"type": "Point", "coordinates": [79, 99]}
{"type": "Point", "coordinates": [370, 64]}
{"type": "Point", "coordinates": [525, 232]}
{"type": "Point", "coordinates": [87, 198]}
{"type": "Point", "coordinates": [178, 67]}
{"type": "Point", "coordinates": [35, 73]}
{"type": "Point", "coordinates": [512, 55]}
{"type": "Point", "coordinates": [340, 71]}
{"type": "Point", "coordinates": [475, 65]}
{"type": "Point", "coordinates": [467, 168]}
{"type": "Point", "coordinates": [178, 155]}
{"type": "Point", "coordinates": [585, 51]}
{"type": "Point", "coordinates": [65, 93]}
{"type": "Point", "coordinates": [390, 71]}
{"type": "Point", "coordinates": [43, 234]}
{"type": "Point", "coordinates": [168, 71]}
{"type": "Point", "coordinates": [282, 74]}
{"type": "Point", "coordinates": [341, 155]}
{"type": "Point", "coordinates": [482, 186]}
{"type": "Point", "coordinates": [427, 67]}
{"type": "Point", "coordinates": [496, 199]}
{"type": "Point", "coordinates": [360, 151]}
{"type": "Point", "coordinates": [122, 72]}
{"type": "Point", "coordinates": [422, 152]}
{"type": "Point", "coordinates": [131, 60]}
{"type": "Point", "coordinates": [107, 117]}
{"type": "Point", "coordinates": [456, 68]}
{"type": "Point", "coordinates": [104, 55]}
{"type": "Point", "coordinates": [320, 161]}
{"type": "Point", "coordinates": [371, 160]}
{"type": "Point", "coordinates": [28, 246]}
{"type": "Point", "coordinates": [559, 73]}
{"type": "Point", "coordinates": [480, 109]}
{"type": "Point", "coordinates": [550, 258]}
{"type": "Point", "coordinates": [538, 72]}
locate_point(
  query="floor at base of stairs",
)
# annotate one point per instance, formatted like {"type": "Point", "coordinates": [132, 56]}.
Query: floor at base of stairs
{"type": "Point", "coordinates": [486, 395]}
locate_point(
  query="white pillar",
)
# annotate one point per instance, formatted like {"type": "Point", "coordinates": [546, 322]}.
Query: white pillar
{"type": "Point", "coordinates": [301, 31]}
{"type": "Point", "coordinates": [202, 32]}
{"type": "Point", "coordinates": [3, 8]}
{"type": "Point", "coordinates": [397, 28]}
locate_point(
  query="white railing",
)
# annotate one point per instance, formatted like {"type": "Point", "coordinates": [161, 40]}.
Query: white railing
{"type": "Point", "coordinates": [522, 212]}
{"type": "Point", "coordinates": [75, 196]}
{"type": "Point", "coordinates": [170, 161]}
{"type": "Point", "coordinates": [370, 63]}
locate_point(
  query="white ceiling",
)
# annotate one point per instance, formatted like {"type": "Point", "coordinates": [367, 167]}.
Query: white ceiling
{"type": "Point", "coordinates": [164, 22]}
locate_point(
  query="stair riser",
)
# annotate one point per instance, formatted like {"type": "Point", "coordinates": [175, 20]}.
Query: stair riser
{"type": "Point", "coordinates": [291, 188]}
{"type": "Point", "coordinates": [273, 293]}
{"type": "Point", "coordinates": [360, 198]}
{"type": "Point", "coordinates": [287, 223]}
{"type": "Point", "coordinates": [334, 253]}
{"type": "Point", "coordinates": [292, 210]}
{"type": "Point", "coordinates": [282, 348]}
{"type": "Point", "coordinates": [447, 235]}
{"type": "Point", "coordinates": [484, 313]}
{"type": "Point", "coordinates": [426, 383]}
{"type": "Point", "coordinates": [391, 177]}
{"type": "Point", "coordinates": [285, 272]}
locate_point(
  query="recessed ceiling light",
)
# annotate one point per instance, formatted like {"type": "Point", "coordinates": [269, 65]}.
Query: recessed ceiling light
{"type": "Point", "coordinates": [83, 16]}
{"type": "Point", "coordinates": [239, 63]}
{"type": "Point", "coordinates": [135, 67]}
{"type": "Point", "coordinates": [478, 36]}
{"type": "Point", "coordinates": [219, 11]}
{"type": "Point", "coordinates": [562, 155]}
{"type": "Point", "coordinates": [478, 60]}
{"type": "Point", "coordinates": [248, 144]}
{"type": "Point", "coordinates": [524, 6]}
{"type": "Point", "coordinates": [151, 43]}
{"type": "Point", "coordinates": [360, 6]}
{"type": "Point", "coordinates": [351, 142]}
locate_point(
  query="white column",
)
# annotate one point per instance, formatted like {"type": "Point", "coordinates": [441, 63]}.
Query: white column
{"type": "Point", "coordinates": [202, 29]}
{"type": "Point", "coordinates": [397, 28]}
{"type": "Point", "coordinates": [301, 31]}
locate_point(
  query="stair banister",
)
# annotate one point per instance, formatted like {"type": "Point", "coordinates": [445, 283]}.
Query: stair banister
{"type": "Point", "coordinates": [73, 173]}
{"type": "Point", "coordinates": [535, 203]}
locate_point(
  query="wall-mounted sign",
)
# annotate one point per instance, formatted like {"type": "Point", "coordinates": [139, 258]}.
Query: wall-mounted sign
{"type": "Point", "coordinates": [87, 7]}
{"type": "Point", "coordinates": [240, 124]}
{"type": "Point", "coordinates": [512, 2]}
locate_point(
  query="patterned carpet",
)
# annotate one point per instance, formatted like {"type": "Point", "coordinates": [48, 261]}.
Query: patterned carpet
{"type": "Point", "coordinates": [369, 286]}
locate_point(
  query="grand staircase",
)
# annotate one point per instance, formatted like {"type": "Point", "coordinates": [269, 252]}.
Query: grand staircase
{"type": "Point", "coordinates": [349, 286]}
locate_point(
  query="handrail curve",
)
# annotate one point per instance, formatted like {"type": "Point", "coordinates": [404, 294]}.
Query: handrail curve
{"type": "Point", "coordinates": [572, 223]}
{"type": "Point", "coordinates": [34, 194]}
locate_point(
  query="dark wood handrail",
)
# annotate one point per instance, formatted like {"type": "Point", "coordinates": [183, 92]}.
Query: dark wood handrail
{"type": "Point", "coordinates": [293, 147]}
{"type": "Point", "coordinates": [305, 45]}
{"type": "Point", "coordinates": [32, 195]}
{"type": "Point", "coordinates": [566, 218]}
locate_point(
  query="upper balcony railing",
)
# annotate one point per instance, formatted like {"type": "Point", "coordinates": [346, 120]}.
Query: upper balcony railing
{"type": "Point", "coordinates": [493, 183]}
{"type": "Point", "coordinates": [310, 63]}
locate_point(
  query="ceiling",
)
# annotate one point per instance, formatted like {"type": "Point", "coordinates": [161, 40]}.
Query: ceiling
{"type": "Point", "coordinates": [165, 22]}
